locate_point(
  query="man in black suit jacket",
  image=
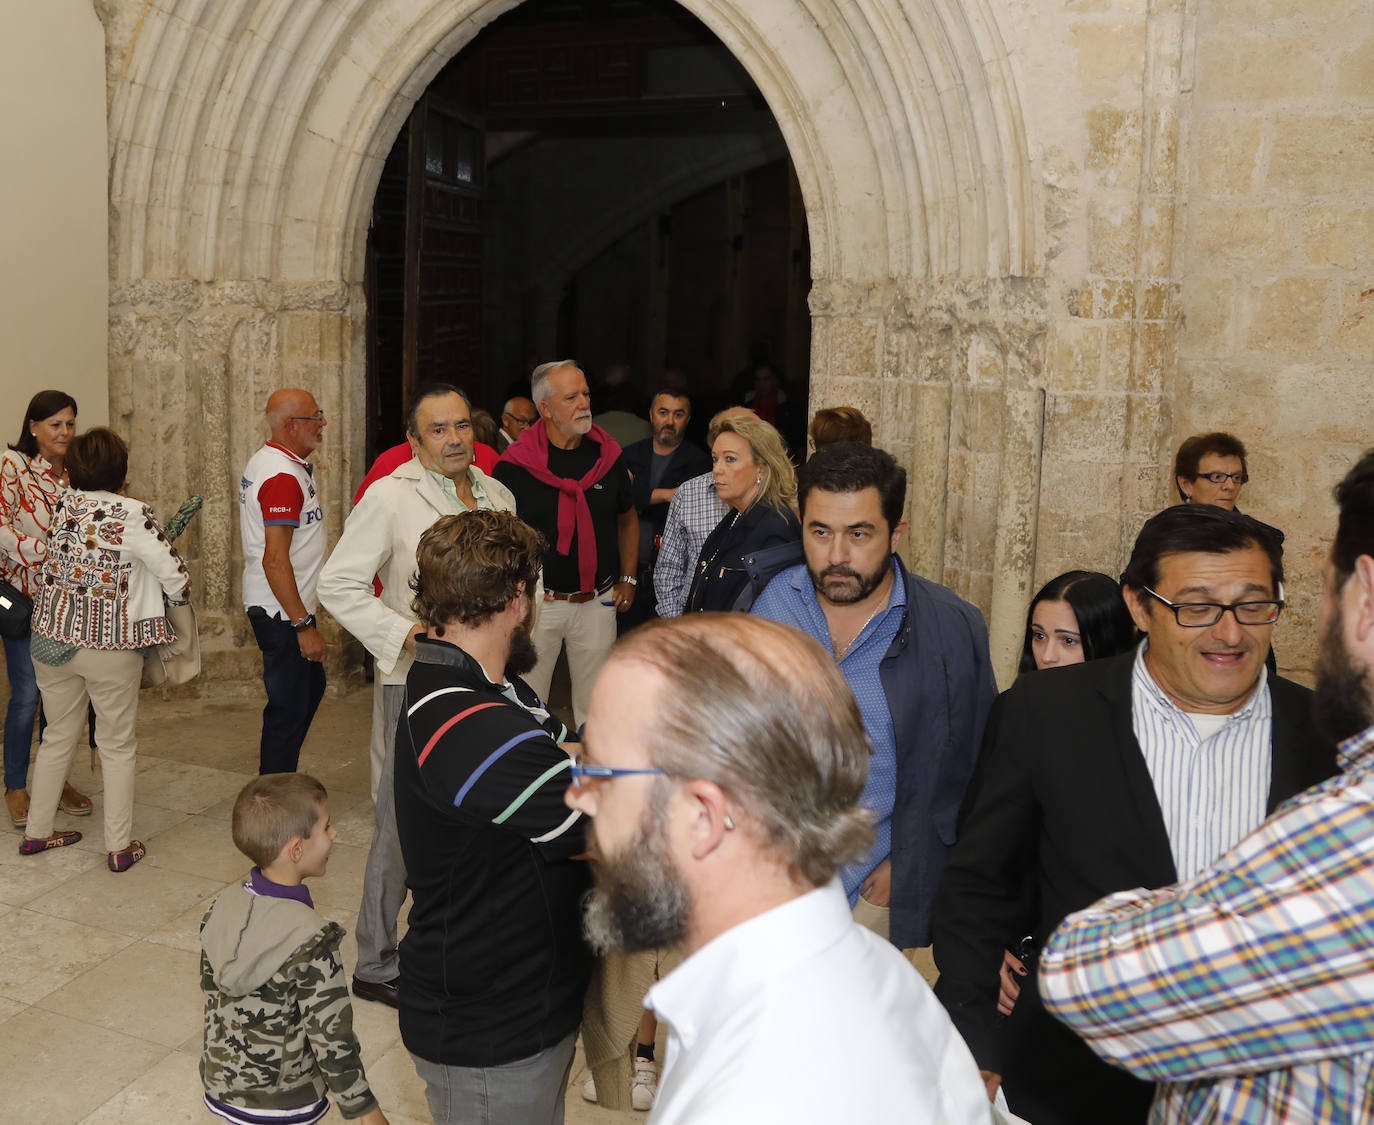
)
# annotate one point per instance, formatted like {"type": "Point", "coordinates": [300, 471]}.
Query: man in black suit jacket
{"type": "Point", "coordinates": [1066, 805]}
{"type": "Point", "coordinates": [657, 465]}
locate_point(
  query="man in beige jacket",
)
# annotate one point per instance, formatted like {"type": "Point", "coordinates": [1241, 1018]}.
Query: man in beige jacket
{"type": "Point", "coordinates": [379, 538]}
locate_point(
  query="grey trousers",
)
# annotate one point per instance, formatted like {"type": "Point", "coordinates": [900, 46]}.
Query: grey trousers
{"type": "Point", "coordinates": [525, 1092]}
{"type": "Point", "coordinates": [384, 879]}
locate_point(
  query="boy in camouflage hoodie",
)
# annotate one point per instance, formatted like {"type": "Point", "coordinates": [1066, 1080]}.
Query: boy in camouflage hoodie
{"type": "Point", "coordinates": [278, 1022]}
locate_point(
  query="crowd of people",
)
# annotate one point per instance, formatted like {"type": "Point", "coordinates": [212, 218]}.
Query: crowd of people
{"type": "Point", "coordinates": [1139, 878]}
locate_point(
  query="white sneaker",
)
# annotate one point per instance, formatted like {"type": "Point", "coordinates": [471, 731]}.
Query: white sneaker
{"type": "Point", "coordinates": [589, 1090]}
{"type": "Point", "coordinates": [645, 1084]}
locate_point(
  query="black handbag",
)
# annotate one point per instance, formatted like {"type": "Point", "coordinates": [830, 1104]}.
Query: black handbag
{"type": "Point", "coordinates": [16, 611]}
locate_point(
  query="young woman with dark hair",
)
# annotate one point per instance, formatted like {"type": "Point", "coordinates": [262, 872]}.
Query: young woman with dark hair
{"type": "Point", "coordinates": [1077, 617]}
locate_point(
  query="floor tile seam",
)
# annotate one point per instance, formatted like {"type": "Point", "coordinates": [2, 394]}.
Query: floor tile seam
{"type": "Point", "coordinates": [89, 968]}
{"type": "Point", "coordinates": [46, 890]}
{"type": "Point", "coordinates": [99, 1026]}
{"type": "Point", "coordinates": [132, 936]}
{"type": "Point", "coordinates": [95, 1114]}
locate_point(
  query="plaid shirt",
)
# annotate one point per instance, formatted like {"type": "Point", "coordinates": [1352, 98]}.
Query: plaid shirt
{"type": "Point", "coordinates": [692, 516]}
{"type": "Point", "coordinates": [1248, 991]}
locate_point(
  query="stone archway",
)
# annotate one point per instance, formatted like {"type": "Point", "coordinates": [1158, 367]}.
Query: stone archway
{"type": "Point", "coordinates": [247, 138]}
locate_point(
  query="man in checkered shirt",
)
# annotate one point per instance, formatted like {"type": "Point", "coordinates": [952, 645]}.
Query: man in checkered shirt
{"type": "Point", "coordinates": [1247, 991]}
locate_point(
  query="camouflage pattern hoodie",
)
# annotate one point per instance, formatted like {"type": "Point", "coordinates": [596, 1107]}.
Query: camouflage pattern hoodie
{"type": "Point", "coordinates": [278, 1022]}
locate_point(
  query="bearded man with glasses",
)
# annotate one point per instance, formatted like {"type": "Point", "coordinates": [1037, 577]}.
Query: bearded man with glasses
{"type": "Point", "coordinates": [1136, 771]}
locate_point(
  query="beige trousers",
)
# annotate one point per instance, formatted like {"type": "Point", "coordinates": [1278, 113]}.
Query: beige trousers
{"type": "Point", "coordinates": [878, 919]}
{"type": "Point", "coordinates": [110, 681]}
{"type": "Point", "coordinates": [588, 631]}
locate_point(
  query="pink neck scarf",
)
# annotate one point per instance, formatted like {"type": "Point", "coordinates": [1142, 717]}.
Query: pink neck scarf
{"type": "Point", "coordinates": [531, 453]}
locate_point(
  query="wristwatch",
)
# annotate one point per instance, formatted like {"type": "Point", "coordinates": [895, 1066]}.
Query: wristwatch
{"type": "Point", "coordinates": [306, 622]}
{"type": "Point", "coordinates": [630, 579]}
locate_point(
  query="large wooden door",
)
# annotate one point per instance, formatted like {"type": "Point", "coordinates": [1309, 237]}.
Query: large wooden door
{"type": "Point", "coordinates": [443, 294]}
{"type": "Point", "coordinates": [424, 273]}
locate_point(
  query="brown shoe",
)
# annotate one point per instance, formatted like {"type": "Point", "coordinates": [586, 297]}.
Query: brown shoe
{"type": "Point", "coordinates": [384, 992]}
{"type": "Point", "coordinates": [73, 803]}
{"type": "Point", "coordinates": [17, 802]}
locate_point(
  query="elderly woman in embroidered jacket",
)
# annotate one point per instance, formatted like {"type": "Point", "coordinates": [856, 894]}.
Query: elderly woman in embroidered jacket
{"type": "Point", "coordinates": [98, 601]}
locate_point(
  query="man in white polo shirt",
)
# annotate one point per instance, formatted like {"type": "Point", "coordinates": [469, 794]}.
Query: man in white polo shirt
{"type": "Point", "coordinates": [282, 526]}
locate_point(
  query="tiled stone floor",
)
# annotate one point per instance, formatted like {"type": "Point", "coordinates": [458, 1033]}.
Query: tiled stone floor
{"type": "Point", "coordinates": [100, 1007]}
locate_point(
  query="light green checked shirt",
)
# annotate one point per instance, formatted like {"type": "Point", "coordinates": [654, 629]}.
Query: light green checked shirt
{"type": "Point", "coordinates": [450, 491]}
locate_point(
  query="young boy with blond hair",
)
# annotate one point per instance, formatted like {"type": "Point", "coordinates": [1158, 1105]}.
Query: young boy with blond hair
{"type": "Point", "coordinates": [278, 1021]}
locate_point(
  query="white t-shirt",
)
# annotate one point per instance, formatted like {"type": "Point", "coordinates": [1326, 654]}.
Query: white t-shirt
{"type": "Point", "coordinates": [278, 489]}
{"type": "Point", "coordinates": [801, 1015]}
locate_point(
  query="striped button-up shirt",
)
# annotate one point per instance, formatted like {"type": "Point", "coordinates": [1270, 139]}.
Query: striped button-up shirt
{"type": "Point", "coordinates": [1248, 990]}
{"type": "Point", "coordinates": [1212, 783]}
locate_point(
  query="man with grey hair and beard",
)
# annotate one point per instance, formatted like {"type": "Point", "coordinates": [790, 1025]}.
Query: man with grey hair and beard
{"type": "Point", "coordinates": [571, 486]}
{"type": "Point", "coordinates": [723, 760]}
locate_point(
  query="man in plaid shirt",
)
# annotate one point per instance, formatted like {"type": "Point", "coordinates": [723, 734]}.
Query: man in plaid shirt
{"type": "Point", "coordinates": [1248, 991]}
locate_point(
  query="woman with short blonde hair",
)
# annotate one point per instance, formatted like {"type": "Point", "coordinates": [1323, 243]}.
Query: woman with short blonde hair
{"type": "Point", "coordinates": [759, 534]}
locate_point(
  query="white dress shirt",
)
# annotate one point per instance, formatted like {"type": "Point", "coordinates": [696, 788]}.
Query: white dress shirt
{"type": "Point", "coordinates": [800, 1015]}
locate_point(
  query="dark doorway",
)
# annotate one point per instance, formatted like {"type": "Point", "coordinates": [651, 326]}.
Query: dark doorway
{"type": "Point", "coordinates": [588, 178]}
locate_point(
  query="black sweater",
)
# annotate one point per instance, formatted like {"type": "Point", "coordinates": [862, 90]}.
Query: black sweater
{"type": "Point", "coordinates": [493, 967]}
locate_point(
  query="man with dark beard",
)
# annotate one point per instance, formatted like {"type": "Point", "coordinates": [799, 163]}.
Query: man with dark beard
{"type": "Point", "coordinates": [1247, 991]}
{"type": "Point", "coordinates": [657, 465]}
{"type": "Point", "coordinates": [493, 966]}
{"type": "Point", "coordinates": [916, 657]}
{"type": "Point", "coordinates": [723, 761]}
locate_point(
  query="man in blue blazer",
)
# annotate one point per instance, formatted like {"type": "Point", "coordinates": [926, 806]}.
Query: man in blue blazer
{"type": "Point", "coordinates": [916, 658]}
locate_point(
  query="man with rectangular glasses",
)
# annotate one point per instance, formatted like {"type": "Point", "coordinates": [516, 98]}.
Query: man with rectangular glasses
{"type": "Point", "coordinates": [1136, 771]}
{"type": "Point", "coordinates": [1246, 991]}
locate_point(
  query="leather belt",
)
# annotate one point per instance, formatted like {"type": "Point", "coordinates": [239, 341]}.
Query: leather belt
{"type": "Point", "coordinates": [578, 598]}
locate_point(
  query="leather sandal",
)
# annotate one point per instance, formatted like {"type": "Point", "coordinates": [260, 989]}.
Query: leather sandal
{"type": "Point", "coordinates": [17, 804]}
{"type": "Point", "coordinates": [73, 803]}
{"type": "Point", "coordinates": [122, 861]}
{"type": "Point", "coordinates": [31, 846]}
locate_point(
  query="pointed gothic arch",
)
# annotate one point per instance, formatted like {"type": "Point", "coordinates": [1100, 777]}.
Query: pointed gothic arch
{"type": "Point", "coordinates": [246, 142]}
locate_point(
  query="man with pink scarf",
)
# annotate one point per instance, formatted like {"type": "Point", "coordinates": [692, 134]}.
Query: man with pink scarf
{"type": "Point", "coordinates": [571, 485]}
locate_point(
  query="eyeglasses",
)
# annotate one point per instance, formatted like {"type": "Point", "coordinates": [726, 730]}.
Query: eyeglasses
{"type": "Point", "coordinates": [308, 417]}
{"type": "Point", "coordinates": [1198, 615]}
{"type": "Point", "coordinates": [583, 773]}
{"type": "Point", "coordinates": [521, 419]}
{"type": "Point", "coordinates": [1222, 478]}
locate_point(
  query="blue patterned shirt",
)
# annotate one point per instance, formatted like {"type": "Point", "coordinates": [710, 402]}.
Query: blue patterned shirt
{"type": "Point", "coordinates": [692, 516]}
{"type": "Point", "coordinates": [791, 599]}
{"type": "Point", "coordinates": [1247, 991]}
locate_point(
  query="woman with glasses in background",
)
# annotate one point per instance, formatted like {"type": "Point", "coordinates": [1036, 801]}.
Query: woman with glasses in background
{"type": "Point", "coordinates": [1210, 469]}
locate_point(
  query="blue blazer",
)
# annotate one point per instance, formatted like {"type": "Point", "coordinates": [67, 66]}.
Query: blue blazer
{"type": "Point", "coordinates": [937, 677]}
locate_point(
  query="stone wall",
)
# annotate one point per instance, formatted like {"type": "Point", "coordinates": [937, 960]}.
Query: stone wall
{"type": "Point", "coordinates": [191, 366]}
{"type": "Point", "coordinates": [1039, 266]}
{"type": "Point", "coordinates": [1279, 263]}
